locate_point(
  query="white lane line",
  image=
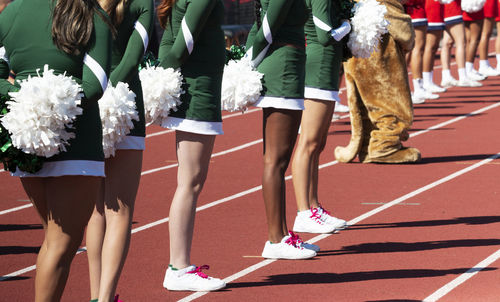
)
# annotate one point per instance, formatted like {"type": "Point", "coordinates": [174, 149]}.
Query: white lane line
{"type": "Point", "coordinates": [354, 221]}
{"type": "Point", "coordinates": [240, 147]}
{"type": "Point", "coordinates": [224, 117]}
{"type": "Point", "coordinates": [462, 278]}
{"type": "Point", "coordinates": [16, 209]}
{"type": "Point", "coordinates": [209, 205]}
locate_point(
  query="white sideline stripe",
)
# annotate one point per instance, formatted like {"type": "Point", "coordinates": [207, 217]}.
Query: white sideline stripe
{"type": "Point", "coordinates": [213, 155]}
{"type": "Point", "coordinates": [355, 220]}
{"type": "Point", "coordinates": [462, 278]}
{"type": "Point", "coordinates": [16, 209]}
{"type": "Point", "coordinates": [220, 201]}
{"type": "Point", "coordinates": [224, 117]}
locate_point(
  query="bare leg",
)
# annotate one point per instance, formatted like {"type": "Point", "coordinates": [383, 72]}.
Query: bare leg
{"type": "Point", "coordinates": [193, 155]}
{"type": "Point", "coordinates": [447, 44]}
{"type": "Point", "coordinates": [457, 32]}
{"type": "Point", "coordinates": [69, 201]}
{"type": "Point", "coordinates": [472, 33]}
{"type": "Point", "coordinates": [486, 30]}
{"type": "Point", "coordinates": [111, 223]}
{"type": "Point", "coordinates": [417, 53]}
{"type": "Point", "coordinates": [314, 129]}
{"type": "Point", "coordinates": [431, 45]}
{"type": "Point", "coordinates": [280, 133]}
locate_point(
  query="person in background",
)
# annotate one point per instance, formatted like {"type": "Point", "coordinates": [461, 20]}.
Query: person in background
{"type": "Point", "coordinates": [490, 12]}
{"type": "Point", "coordinates": [109, 229]}
{"type": "Point", "coordinates": [64, 191]}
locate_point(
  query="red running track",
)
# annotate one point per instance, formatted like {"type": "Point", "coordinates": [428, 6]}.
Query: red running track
{"type": "Point", "coordinates": [424, 231]}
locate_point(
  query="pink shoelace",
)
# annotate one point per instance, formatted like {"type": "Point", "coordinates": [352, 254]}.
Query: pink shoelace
{"type": "Point", "coordinates": [198, 271]}
{"type": "Point", "coordinates": [323, 209]}
{"type": "Point", "coordinates": [294, 240]}
{"type": "Point", "coordinates": [316, 215]}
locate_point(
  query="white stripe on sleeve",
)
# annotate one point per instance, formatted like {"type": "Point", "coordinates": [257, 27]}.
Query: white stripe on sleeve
{"type": "Point", "coordinates": [98, 71]}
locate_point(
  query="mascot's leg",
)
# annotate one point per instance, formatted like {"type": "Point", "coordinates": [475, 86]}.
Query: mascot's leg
{"type": "Point", "coordinates": [348, 153]}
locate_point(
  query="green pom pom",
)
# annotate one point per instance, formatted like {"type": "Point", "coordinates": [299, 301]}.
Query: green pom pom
{"type": "Point", "coordinates": [149, 59]}
{"type": "Point", "coordinates": [235, 52]}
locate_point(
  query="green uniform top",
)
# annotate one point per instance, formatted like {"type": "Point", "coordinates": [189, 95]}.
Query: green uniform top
{"type": "Point", "coordinates": [25, 35]}
{"type": "Point", "coordinates": [131, 40]}
{"type": "Point", "coordinates": [282, 23]}
{"type": "Point", "coordinates": [193, 38]}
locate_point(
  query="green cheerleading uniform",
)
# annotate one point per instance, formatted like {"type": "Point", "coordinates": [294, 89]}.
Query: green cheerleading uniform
{"type": "Point", "coordinates": [277, 49]}
{"type": "Point", "coordinates": [128, 50]}
{"type": "Point", "coordinates": [25, 37]}
{"type": "Point", "coordinates": [194, 42]}
{"type": "Point", "coordinates": [324, 54]}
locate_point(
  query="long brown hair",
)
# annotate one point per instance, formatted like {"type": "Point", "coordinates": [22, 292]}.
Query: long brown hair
{"type": "Point", "coordinates": [115, 9]}
{"type": "Point", "coordinates": [164, 11]}
{"type": "Point", "coordinates": [72, 24]}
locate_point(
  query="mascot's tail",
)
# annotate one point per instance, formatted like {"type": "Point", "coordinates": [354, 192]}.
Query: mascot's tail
{"type": "Point", "coordinates": [348, 153]}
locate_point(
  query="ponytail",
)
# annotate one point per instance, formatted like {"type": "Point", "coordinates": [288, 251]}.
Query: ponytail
{"type": "Point", "coordinates": [164, 11]}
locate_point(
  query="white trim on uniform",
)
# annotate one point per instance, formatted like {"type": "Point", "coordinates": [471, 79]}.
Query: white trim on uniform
{"type": "Point", "coordinates": [143, 33]}
{"type": "Point", "coordinates": [131, 143]}
{"type": "Point", "coordinates": [321, 94]}
{"type": "Point", "coordinates": [457, 17]}
{"type": "Point", "coordinates": [320, 24]}
{"type": "Point", "coordinates": [280, 103]}
{"type": "Point", "coordinates": [419, 20]}
{"type": "Point", "coordinates": [188, 37]}
{"type": "Point", "coordinates": [3, 54]}
{"type": "Point", "coordinates": [435, 24]}
{"type": "Point", "coordinates": [67, 167]}
{"type": "Point", "coordinates": [199, 127]}
{"type": "Point", "coordinates": [266, 30]}
{"type": "Point", "coordinates": [98, 71]}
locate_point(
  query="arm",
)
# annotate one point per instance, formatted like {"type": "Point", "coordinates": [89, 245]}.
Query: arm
{"type": "Point", "coordinates": [321, 10]}
{"type": "Point", "coordinates": [272, 21]}
{"type": "Point", "coordinates": [97, 61]}
{"type": "Point", "coordinates": [400, 27]}
{"type": "Point", "coordinates": [197, 13]}
{"type": "Point", "coordinates": [137, 43]}
{"type": "Point", "coordinates": [6, 20]}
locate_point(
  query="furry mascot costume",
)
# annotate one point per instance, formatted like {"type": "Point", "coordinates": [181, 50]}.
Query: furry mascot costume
{"type": "Point", "coordinates": [379, 96]}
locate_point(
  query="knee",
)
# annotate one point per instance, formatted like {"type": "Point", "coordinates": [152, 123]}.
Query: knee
{"type": "Point", "coordinates": [276, 164]}
{"type": "Point", "coordinates": [309, 146]}
{"type": "Point", "coordinates": [64, 247]}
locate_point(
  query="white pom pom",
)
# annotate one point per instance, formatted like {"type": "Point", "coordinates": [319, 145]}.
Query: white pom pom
{"type": "Point", "coordinates": [445, 1]}
{"type": "Point", "coordinates": [162, 89]}
{"type": "Point", "coordinates": [117, 109]}
{"type": "Point", "coordinates": [241, 85]}
{"type": "Point", "coordinates": [368, 26]}
{"type": "Point", "coordinates": [472, 6]}
{"type": "Point", "coordinates": [3, 55]}
{"type": "Point", "coordinates": [41, 112]}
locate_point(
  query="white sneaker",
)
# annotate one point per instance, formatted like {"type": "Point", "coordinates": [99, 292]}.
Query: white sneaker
{"type": "Point", "coordinates": [339, 224]}
{"type": "Point", "coordinates": [418, 97]}
{"type": "Point", "coordinates": [449, 82]}
{"type": "Point", "coordinates": [430, 96]}
{"type": "Point", "coordinates": [341, 108]}
{"type": "Point", "coordinates": [191, 279]}
{"type": "Point", "coordinates": [310, 221]}
{"type": "Point", "coordinates": [303, 244]}
{"type": "Point", "coordinates": [488, 71]}
{"type": "Point", "coordinates": [434, 88]}
{"type": "Point", "coordinates": [286, 249]}
{"type": "Point", "coordinates": [469, 83]}
{"type": "Point", "coordinates": [476, 76]}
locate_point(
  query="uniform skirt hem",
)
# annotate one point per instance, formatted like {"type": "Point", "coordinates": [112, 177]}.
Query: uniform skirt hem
{"type": "Point", "coordinates": [280, 103]}
{"type": "Point", "coordinates": [321, 94]}
{"type": "Point", "coordinates": [66, 168]}
{"type": "Point", "coordinates": [199, 127]}
{"type": "Point", "coordinates": [132, 143]}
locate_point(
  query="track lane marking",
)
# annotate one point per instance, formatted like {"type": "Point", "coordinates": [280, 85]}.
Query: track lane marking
{"type": "Point", "coordinates": [354, 221]}
{"type": "Point", "coordinates": [462, 278]}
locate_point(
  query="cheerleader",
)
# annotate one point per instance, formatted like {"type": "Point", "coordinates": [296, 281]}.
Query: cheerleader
{"type": "Point", "coordinates": [490, 12]}
{"type": "Point", "coordinates": [454, 34]}
{"type": "Point", "coordinates": [436, 25]}
{"type": "Point", "coordinates": [417, 12]}
{"type": "Point", "coordinates": [108, 232]}
{"type": "Point", "coordinates": [276, 47]}
{"type": "Point", "coordinates": [71, 37]}
{"type": "Point", "coordinates": [194, 42]}
{"type": "Point", "coordinates": [323, 61]}
{"type": "Point", "coordinates": [497, 40]}
{"type": "Point", "coordinates": [473, 25]}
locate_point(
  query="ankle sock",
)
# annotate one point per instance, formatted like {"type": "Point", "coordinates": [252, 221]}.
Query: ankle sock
{"type": "Point", "coordinates": [446, 74]}
{"type": "Point", "coordinates": [468, 67]}
{"type": "Point", "coordinates": [462, 75]}
{"type": "Point", "coordinates": [484, 64]}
